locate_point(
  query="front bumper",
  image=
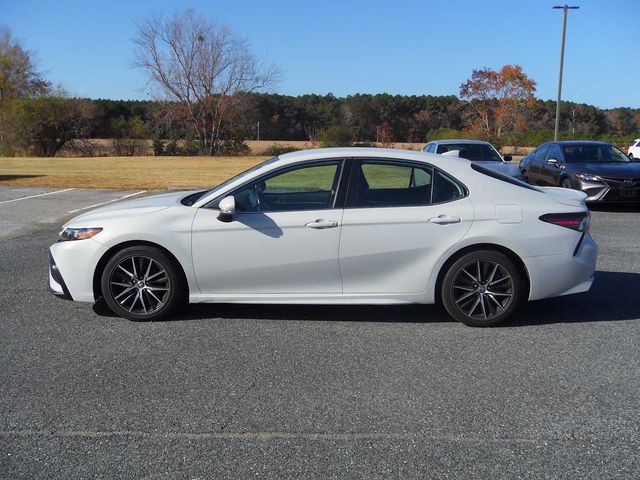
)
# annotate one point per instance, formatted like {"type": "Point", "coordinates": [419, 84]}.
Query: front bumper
{"type": "Point", "coordinates": [56, 285]}
{"type": "Point", "coordinates": [611, 190]}
{"type": "Point", "coordinates": [75, 263]}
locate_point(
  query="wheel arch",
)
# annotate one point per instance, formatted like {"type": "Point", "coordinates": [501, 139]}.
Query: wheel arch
{"type": "Point", "coordinates": [513, 256]}
{"type": "Point", "coordinates": [97, 273]}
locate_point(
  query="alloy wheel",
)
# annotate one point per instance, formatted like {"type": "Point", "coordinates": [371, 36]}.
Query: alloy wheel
{"type": "Point", "coordinates": [483, 290]}
{"type": "Point", "coordinates": [140, 285]}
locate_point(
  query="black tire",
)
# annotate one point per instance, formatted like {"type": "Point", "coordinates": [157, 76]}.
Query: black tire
{"type": "Point", "coordinates": [566, 183]}
{"type": "Point", "coordinates": [157, 281]}
{"type": "Point", "coordinates": [631, 156]}
{"type": "Point", "coordinates": [525, 176]}
{"type": "Point", "coordinates": [487, 302]}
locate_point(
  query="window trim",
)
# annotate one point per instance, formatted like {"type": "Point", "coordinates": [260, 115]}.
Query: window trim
{"type": "Point", "coordinates": [339, 198]}
{"type": "Point", "coordinates": [354, 178]}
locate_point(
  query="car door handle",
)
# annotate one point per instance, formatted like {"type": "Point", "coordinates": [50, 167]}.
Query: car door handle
{"type": "Point", "coordinates": [445, 220]}
{"type": "Point", "coordinates": [322, 224]}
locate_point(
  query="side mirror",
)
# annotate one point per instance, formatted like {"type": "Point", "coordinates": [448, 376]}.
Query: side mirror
{"type": "Point", "coordinates": [552, 161]}
{"type": "Point", "coordinates": [227, 208]}
{"type": "Point", "coordinates": [507, 158]}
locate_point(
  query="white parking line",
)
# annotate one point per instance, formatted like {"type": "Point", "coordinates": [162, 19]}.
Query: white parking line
{"type": "Point", "coordinates": [110, 201]}
{"type": "Point", "coordinates": [38, 195]}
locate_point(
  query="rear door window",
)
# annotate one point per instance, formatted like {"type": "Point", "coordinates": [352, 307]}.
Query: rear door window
{"type": "Point", "coordinates": [386, 184]}
{"type": "Point", "coordinates": [383, 184]}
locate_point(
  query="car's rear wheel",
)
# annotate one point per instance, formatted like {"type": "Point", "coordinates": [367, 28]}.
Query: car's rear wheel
{"type": "Point", "coordinates": [631, 156]}
{"type": "Point", "coordinates": [142, 283]}
{"type": "Point", "coordinates": [525, 176]}
{"type": "Point", "coordinates": [482, 288]}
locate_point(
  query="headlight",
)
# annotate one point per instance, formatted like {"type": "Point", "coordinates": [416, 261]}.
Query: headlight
{"type": "Point", "coordinates": [78, 233]}
{"type": "Point", "coordinates": [587, 177]}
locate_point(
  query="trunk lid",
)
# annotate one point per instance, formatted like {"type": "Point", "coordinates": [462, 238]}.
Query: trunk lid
{"type": "Point", "coordinates": [566, 196]}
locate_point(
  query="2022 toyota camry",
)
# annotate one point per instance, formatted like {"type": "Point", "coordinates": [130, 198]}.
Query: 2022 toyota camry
{"type": "Point", "coordinates": [335, 226]}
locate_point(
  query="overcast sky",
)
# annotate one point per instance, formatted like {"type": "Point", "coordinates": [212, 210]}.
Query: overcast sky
{"type": "Point", "coordinates": [350, 46]}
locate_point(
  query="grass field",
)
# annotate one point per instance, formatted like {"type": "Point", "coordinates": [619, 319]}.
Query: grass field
{"type": "Point", "coordinates": [126, 173]}
{"type": "Point", "coordinates": [148, 173]}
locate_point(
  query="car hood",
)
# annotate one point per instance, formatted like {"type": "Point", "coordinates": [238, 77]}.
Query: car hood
{"type": "Point", "coordinates": [138, 206]}
{"type": "Point", "coordinates": [611, 170]}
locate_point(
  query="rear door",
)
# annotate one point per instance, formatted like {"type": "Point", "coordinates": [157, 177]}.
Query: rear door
{"type": "Point", "coordinates": [400, 219]}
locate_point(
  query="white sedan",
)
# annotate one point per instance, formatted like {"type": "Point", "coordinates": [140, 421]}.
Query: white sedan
{"type": "Point", "coordinates": [476, 151]}
{"type": "Point", "coordinates": [634, 149]}
{"type": "Point", "coordinates": [335, 226]}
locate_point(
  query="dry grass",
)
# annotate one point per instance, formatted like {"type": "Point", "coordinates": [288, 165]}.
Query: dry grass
{"type": "Point", "coordinates": [148, 173]}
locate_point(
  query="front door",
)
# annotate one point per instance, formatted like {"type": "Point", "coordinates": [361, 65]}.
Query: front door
{"type": "Point", "coordinates": [551, 172]}
{"type": "Point", "coordinates": [283, 239]}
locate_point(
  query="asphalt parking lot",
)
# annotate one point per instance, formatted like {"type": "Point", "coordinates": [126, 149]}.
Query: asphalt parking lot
{"type": "Point", "coordinates": [314, 392]}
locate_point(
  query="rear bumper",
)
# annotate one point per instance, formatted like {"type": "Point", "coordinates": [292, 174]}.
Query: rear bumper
{"type": "Point", "coordinates": [556, 275]}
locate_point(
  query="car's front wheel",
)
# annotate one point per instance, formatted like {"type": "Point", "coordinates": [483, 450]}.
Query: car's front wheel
{"type": "Point", "coordinates": [142, 283]}
{"type": "Point", "coordinates": [482, 288]}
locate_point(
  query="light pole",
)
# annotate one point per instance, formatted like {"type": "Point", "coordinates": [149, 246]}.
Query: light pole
{"type": "Point", "coordinates": [566, 8]}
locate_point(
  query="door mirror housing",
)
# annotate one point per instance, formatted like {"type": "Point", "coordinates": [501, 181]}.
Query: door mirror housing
{"type": "Point", "coordinates": [553, 161]}
{"type": "Point", "coordinates": [227, 208]}
{"type": "Point", "coordinates": [507, 158]}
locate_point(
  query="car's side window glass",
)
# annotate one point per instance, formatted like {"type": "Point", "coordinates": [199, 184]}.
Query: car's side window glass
{"type": "Point", "coordinates": [311, 187]}
{"type": "Point", "coordinates": [541, 152]}
{"type": "Point", "coordinates": [383, 184]}
{"type": "Point", "coordinates": [431, 148]}
{"type": "Point", "coordinates": [554, 152]}
{"type": "Point", "coordinates": [446, 189]}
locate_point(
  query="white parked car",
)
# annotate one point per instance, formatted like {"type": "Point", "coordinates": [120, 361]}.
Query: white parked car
{"type": "Point", "coordinates": [634, 149]}
{"type": "Point", "coordinates": [335, 226]}
{"type": "Point", "coordinates": [476, 151]}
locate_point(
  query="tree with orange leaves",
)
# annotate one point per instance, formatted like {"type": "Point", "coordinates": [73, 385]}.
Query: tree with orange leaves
{"type": "Point", "coordinates": [499, 100]}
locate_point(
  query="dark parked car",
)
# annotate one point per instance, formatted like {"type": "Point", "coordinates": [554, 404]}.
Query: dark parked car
{"type": "Point", "coordinates": [599, 169]}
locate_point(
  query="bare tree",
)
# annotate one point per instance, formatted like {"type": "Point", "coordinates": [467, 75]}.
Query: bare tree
{"type": "Point", "coordinates": [204, 67]}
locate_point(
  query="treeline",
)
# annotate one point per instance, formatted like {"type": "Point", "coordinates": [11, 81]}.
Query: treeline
{"type": "Point", "coordinates": [45, 125]}
{"type": "Point", "coordinates": [369, 118]}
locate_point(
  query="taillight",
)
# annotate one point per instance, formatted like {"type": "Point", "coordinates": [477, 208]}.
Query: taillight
{"type": "Point", "coordinates": [575, 221]}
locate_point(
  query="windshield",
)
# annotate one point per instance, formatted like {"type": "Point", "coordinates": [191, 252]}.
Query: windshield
{"type": "Point", "coordinates": [477, 152]}
{"type": "Point", "coordinates": [593, 153]}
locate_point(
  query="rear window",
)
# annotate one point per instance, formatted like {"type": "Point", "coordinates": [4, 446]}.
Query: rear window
{"type": "Point", "coordinates": [505, 178]}
{"type": "Point", "coordinates": [477, 152]}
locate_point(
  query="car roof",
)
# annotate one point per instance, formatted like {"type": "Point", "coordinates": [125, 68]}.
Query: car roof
{"type": "Point", "coordinates": [357, 152]}
{"type": "Point", "coordinates": [580, 142]}
{"type": "Point", "coordinates": [460, 140]}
